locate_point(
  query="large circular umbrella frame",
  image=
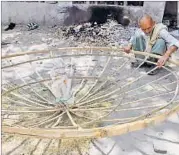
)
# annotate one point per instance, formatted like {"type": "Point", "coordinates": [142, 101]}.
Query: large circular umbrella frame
{"type": "Point", "coordinates": [39, 116]}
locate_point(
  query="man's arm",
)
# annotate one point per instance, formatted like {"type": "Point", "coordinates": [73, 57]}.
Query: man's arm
{"type": "Point", "coordinates": [173, 46]}
{"type": "Point", "coordinates": [166, 56]}
{"type": "Point", "coordinates": [128, 48]}
{"type": "Point", "coordinates": [138, 32]}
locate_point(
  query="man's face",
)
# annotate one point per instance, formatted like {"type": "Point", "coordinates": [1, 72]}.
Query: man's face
{"type": "Point", "coordinates": [147, 26]}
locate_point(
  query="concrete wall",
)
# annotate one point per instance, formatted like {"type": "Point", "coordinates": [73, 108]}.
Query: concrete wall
{"type": "Point", "coordinates": [63, 12]}
{"type": "Point", "coordinates": [134, 13]}
{"type": "Point", "coordinates": [171, 7]}
{"type": "Point", "coordinates": [155, 9]}
{"type": "Point", "coordinates": [178, 15]}
{"type": "Point", "coordinates": [42, 13]}
{"type": "Point", "coordinates": [51, 14]}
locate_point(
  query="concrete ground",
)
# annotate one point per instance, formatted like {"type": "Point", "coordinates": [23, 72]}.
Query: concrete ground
{"type": "Point", "coordinates": [161, 139]}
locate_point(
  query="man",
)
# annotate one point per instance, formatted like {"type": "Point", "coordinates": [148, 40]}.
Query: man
{"type": "Point", "coordinates": [154, 38]}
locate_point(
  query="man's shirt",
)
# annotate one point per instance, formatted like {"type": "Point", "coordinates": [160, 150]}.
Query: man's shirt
{"type": "Point", "coordinates": [164, 34]}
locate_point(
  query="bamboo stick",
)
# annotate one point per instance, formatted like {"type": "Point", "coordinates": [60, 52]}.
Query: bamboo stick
{"type": "Point", "coordinates": [114, 91]}
{"type": "Point", "coordinates": [45, 80]}
{"type": "Point", "coordinates": [96, 91]}
{"type": "Point", "coordinates": [48, 120]}
{"type": "Point", "coordinates": [86, 95]}
{"type": "Point", "coordinates": [104, 49]}
{"type": "Point", "coordinates": [117, 110]}
{"type": "Point", "coordinates": [135, 124]}
{"type": "Point", "coordinates": [118, 89]}
{"type": "Point", "coordinates": [92, 133]}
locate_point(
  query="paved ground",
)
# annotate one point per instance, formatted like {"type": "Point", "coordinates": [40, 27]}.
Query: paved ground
{"type": "Point", "coordinates": [164, 138]}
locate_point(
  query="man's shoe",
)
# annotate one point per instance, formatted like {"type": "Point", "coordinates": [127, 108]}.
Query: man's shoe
{"type": "Point", "coordinates": [136, 64]}
{"type": "Point", "coordinates": [154, 72]}
{"type": "Point", "coordinates": [151, 59]}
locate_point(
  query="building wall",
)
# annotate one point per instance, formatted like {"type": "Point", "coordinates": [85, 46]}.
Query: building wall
{"type": "Point", "coordinates": [50, 14]}
{"type": "Point", "coordinates": [155, 9]}
{"type": "Point", "coordinates": [134, 13]}
{"type": "Point", "coordinates": [178, 15]}
{"type": "Point", "coordinates": [57, 13]}
{"type": "Point", "coordinates": [42, 13]}
{"type": "Point", "coordinates": [171, 7]}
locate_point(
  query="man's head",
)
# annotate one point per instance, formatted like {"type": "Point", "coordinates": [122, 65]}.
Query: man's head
{"type": "Point", "coordinates": [146, 23]}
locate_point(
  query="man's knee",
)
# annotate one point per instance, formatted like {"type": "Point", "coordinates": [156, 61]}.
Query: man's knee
{"type": "Point", "coordinates": [161, 42]}
{"type": "Point", "coordinates": [138, 43]}
{"type": "Point", "coordinates": [159, 47]}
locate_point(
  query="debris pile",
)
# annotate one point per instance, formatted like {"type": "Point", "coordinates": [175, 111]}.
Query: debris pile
{"type": "Point", "coordinates": [109, 33]}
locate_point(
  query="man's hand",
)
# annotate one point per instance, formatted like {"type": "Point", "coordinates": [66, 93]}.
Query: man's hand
{"type": "Point", "coordinates": [162, 60]}
{"type": "Point", "coordinates": [127, 49]}
{"type": "Point", "coordinates": [166, 56]}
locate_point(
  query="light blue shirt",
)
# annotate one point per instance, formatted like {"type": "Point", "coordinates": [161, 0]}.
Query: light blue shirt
{"type": "Point", "coordinates": [164, 34]}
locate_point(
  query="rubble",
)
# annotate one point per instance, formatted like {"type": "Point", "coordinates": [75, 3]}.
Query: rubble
{"type": "Point", "coordinates": [109, 33]}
